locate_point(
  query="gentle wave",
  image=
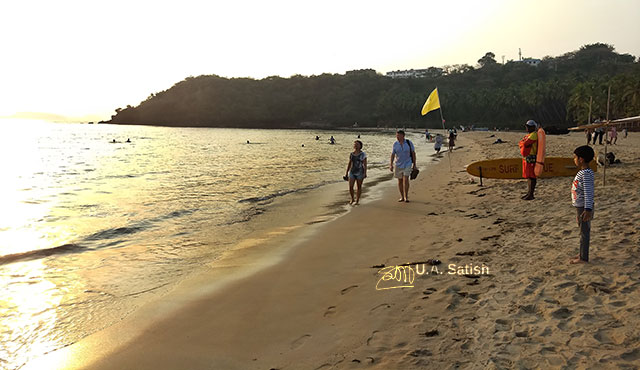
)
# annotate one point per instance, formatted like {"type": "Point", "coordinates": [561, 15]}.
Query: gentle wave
{"type": "Point", "coordinates": [284, 192]}
{"type": "Point", "coordinates": [41, 253]}
{"type": "Point", "coordinates": [87, 243]}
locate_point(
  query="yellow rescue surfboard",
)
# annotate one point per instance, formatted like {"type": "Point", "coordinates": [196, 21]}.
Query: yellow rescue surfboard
{"type": "Point", "coordinates": [511, 168]}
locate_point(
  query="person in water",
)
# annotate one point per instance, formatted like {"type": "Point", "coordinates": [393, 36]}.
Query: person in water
{"type": "Point", "coordinates": [332, 140]}
{"type": "Point", "coordinates": [529, 151]}
{"type": "Point", "coordinates": [356, 171]}
{"type": "Point", "coordinates": [317, 137]}
{"type": "Point", "coordinates": [128, 140]}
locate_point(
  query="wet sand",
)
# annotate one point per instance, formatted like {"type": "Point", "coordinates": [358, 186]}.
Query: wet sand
{"type": "Point", "coordinates": [315, 305]}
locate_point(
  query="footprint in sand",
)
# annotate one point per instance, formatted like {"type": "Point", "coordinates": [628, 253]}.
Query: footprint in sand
{"type": "Point", "coordinates": [528, 309]}
{"type": "Point", "coordinates": [618, 303]}
{"type": "Point", "coordinates": [565, 284]}
{"type": "Point", "coordinates": [347, 289]}
{"type": "Point", "coordinates": [420, 353]}
{"type": "Point", "coordinates": [371, 337]}
{"type": "Point", "coordinates": [299, 342]}
{"type": "Point", "coordinates": [330, 311]}
{"type": "Point", "coordinates": [561, 313]}
{"type": "Point", "coordinates": [580, 295]}
{"type": "Point", "coordinates": [633, 355]}
{"type": "Point", "coordinates": [503, 325]}
{"type": "Point", "coordinates": [376, 308]}
{"type": "Point", "coordinates": [603, 336]}
{"type": "Point", "coordinates": [531, 288]}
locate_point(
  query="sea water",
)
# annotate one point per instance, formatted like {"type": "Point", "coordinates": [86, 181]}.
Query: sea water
{"type": "Point", "coordinates": [89, 227]}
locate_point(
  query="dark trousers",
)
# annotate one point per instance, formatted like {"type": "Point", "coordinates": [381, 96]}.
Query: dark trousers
{"type": "Point", "coordinates": [585, 234]}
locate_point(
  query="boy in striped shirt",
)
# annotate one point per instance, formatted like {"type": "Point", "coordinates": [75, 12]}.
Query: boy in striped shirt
{"type": "Point", "coordinates": [582, 198]}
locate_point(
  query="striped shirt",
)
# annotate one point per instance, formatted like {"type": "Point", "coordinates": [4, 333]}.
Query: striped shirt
{"type": "Point", "coordinates": [582, 189]}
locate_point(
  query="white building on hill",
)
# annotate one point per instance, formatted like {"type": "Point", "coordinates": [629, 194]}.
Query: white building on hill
{"type": "Point", "coordinates": [408, 73]}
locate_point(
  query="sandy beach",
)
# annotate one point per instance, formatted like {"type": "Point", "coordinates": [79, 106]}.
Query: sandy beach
{"type": "Point", "coordinates": [317, 298]}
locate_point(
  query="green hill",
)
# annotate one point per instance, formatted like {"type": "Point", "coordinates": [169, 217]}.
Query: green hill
{"type": "Point", "coordinates": [555, 92]}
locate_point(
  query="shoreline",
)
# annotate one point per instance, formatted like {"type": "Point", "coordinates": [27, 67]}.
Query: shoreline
{"type": "Point", "coordinates": [269, 253]}
{"type": "Point", "coordinates": [317, 306]}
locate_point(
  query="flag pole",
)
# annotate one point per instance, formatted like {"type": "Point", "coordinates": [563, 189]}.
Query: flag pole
{"type": "Point", "coordinates": [445, 130]}
{"type": "Point", "coordinates": [427, 107]}
{"type": "Point", "coordinates": [606, 135]}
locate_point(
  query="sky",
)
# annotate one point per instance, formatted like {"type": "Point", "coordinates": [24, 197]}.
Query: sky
{"type": "Point", "coordinates": [83, 59]}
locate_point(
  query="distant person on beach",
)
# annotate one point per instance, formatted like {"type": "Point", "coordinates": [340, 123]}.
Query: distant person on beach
{"type": "Point", "coordinates": [599, 135]}
{"type": "Point", "coordinates": [438, 143]}
{"type": "Point", "coordinates": [404, 154]}
{"type": "Point", "coordinates": [582, 189]}
{"type": "Point", "coordinates": [588, 133]}
{"type": "Point", "coordinates": [452, 140]}
{"type": "Point", "coordinates": [356, 171]}
{"type": "Point", "coordinates": [529, 150]}
{"type": "Point", "coordinates": [626, 132]}
{"type": "Point", "coordinates": [613, 136]}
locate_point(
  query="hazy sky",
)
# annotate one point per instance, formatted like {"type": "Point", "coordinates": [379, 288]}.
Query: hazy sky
{"type": "Point", "coordinates": [86, 58]}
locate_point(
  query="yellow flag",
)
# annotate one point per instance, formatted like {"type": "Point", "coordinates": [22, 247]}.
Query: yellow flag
{"type": "Point", "coordinates": [432, 103]}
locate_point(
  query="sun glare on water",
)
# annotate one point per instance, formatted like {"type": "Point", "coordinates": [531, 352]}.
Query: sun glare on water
{"type": "Point", "coordinates": [29, 311]}
{"type": "Point", "coordinates": [24, 198]}
{"type": "Point", "coordinates": [27, 302]}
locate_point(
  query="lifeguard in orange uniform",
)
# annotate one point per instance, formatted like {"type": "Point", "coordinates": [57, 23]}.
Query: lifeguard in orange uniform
{"type": "Point", "coordinates": [529, 149]}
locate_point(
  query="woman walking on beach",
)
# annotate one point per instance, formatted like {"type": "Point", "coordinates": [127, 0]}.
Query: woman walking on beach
{"type": "Point", "coordinates": [452, 138]}
{"type": "Point", "coordinates": [356, 170]}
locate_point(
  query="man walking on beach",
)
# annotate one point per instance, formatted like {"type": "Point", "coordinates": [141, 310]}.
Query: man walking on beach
{"type": "Point", "coordinates": [405, 161]}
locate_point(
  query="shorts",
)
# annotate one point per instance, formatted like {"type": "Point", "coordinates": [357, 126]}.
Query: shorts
{"type": "Point", "coordinates": [400, 172]}
{"type": "Point", "coordinates": [528, 170]}
{"type": "Point", "coordinates": [357, 176]}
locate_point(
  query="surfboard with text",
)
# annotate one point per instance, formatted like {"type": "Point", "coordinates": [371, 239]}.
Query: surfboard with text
{"type": "Point", "coordinates": [511, 168]}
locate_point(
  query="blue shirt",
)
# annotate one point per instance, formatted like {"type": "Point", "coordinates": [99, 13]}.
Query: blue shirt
{"type": "Point", "coordinates": [403, 153]}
